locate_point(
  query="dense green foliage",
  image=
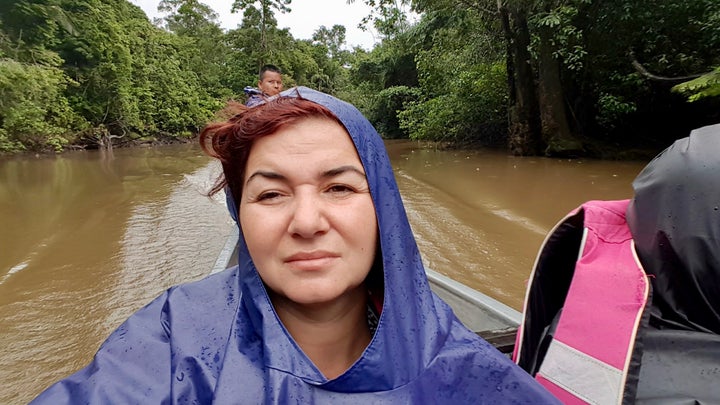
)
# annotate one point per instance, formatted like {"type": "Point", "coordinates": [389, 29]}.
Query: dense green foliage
{"type": "Point", "coordinates": [93, 73]}
{"type": "Point", "coordinates": [707, 85]}
{"type": "Point", "coordinates": [559, 77]}
{"type": "Point", "coordinates": [535, 76]}
{"type": "Point", "coordinates": [35, 113]}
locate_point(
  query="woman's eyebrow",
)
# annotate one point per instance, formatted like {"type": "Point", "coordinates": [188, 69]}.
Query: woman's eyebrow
{"type": "Point", "coordinates": [326, 174]}
{"type": "Point", "coordinates": [342, 169]}
{"type": "Point", "coordinates": [265, 174]}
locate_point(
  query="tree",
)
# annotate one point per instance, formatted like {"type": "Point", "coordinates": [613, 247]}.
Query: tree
{"type": "Point", "coordinates": [188, 17]}
{"type": "Point", "coordinates": [92, 71]}
{"type": "Point", "coordinates": [34, 114]}
{"type": "Point", "coordinates": [524, 134]}
{"type": "Point", "coordinates": [387, 17]}
{"type": "Point", "coordinates": [259, 14]}
{"type": "Point", "coordinates": [555, 30]}
{"type": "Point", "coordinates": [571, 66]}
{"type": "Point", "coordinates": [205, 50]}
{"type": "Point", "coordinates": [333, 39]}
{"type": "Point", "coordinates": [670, 38]}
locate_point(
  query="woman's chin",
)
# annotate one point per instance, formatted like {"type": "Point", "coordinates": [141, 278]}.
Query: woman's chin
{"type": "Point", "coordinates": [323, 296]}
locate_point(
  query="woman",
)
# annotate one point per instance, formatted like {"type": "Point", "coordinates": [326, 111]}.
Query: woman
{"type": "Point", "coordinates": [329, 303]}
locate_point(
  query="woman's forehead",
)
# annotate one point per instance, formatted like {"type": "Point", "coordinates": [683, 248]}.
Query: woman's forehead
{"type": "Point", "coordinates": [307, 141]}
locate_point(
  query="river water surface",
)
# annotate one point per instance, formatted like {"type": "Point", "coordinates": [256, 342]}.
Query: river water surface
{"type": "Point", "coordinates": [88, 238]}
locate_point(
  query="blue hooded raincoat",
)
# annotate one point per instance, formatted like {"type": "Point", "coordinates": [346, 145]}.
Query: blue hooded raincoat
{"type": "Point", "coordinates": [219, 339]}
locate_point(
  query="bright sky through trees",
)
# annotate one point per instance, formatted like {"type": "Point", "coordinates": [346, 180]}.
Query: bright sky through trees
{"type": "Point", "coordinates": [306, 17]}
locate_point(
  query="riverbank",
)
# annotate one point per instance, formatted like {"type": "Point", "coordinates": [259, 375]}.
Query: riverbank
{"type": "Point", "coordinates": [135, 140]}
{"type": "Point", "coordinates": [593, 149]}
{"type": "Point", "coordinates": [160, 139]}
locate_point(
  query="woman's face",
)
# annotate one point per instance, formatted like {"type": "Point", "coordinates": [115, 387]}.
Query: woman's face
{"type": "Point", "coordinates": [306, 212]}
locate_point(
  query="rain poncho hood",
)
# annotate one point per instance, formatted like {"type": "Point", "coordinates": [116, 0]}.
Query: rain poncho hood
{"type": "Point", "coordinates": [220, 340]}
{"type": "Point", "coordinates": [674, 218]}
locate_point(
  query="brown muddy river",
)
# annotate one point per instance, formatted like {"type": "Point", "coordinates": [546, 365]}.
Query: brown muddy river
{"type": "Point", "coordinates": [87, 239]}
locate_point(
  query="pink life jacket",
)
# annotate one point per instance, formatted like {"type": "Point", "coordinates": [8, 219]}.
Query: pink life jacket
{"type": "Point", "coordinates": [582, 312]}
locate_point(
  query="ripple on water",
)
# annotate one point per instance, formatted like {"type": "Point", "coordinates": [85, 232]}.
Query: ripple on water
{"type": "Point", "coordinates": [13, 270]}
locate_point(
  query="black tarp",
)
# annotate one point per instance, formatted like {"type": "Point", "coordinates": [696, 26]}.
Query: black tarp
{"type": "Point", "coordinates": [674, 218]}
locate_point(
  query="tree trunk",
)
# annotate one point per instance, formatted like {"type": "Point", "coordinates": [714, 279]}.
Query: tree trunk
{"type": "Point", "coordinates": [556, 133]}
{"type": "Point", "coordinates": [523, 124]}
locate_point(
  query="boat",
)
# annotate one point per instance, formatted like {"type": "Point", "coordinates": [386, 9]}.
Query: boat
{"type": "Point", "coordinates": [489, 318]}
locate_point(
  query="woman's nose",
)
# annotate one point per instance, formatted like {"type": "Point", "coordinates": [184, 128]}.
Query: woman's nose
{"type": "Point", "coordinates": [309, 218]}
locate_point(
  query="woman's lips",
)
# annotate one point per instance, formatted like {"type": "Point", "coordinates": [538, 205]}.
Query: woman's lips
{"type": "Point", "coordinates": [311, 260]}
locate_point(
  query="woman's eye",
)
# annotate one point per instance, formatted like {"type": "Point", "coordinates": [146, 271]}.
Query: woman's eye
{"type": "Point", "coordinates": [269, 195]}
{"type": "Point", "coordinates": [340, 189]}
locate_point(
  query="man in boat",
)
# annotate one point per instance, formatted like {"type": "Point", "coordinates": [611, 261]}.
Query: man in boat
{"type": "Point", "coordinates": [270, 84]}
{"type": "Point", "coordinates": [623, 305]}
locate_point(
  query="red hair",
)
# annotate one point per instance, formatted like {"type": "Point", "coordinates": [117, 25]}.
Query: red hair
{"type": "Point", "coordinates": [231, 141]}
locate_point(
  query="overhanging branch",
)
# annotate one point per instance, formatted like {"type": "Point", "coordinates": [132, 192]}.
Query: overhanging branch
{"type": "Point", "coordinates": [673, 80]}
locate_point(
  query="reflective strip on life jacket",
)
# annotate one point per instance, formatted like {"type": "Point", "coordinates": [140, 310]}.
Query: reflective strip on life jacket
{"type": "Point", "coordinates": [585, 377]}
